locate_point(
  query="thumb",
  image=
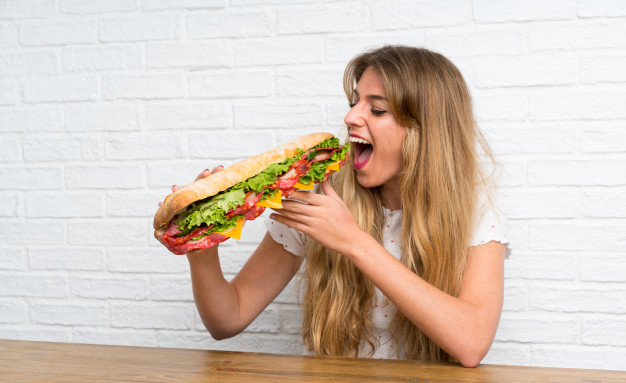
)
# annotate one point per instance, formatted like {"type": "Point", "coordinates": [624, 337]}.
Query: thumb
{"type": "Point", "coordinates": [328, 190]}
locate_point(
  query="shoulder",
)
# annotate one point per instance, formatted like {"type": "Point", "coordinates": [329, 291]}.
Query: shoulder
{"type": "Point", "coordinates": [490, 222]}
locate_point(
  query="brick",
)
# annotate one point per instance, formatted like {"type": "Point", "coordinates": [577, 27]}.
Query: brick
{"type": "Point", "coordinates": [140, 28]}
{"type": "Point", "coordinates": [143, 86]}
{"type": "Point", "coordinates": [544, 266]}
{"type": "Point", "coordinates": [500, 105]}
{"type": "Point", "coordinates": [11, 258]}
{"type": "Point", "coordinates": [70, 314]}
{"type": "Point", "coordinates": [337, 18]}
{"type": "Point", "coordinates": [10, 149]}
{"type": "Point", "coordinates": [538, 329]}
{"type": "Point", "coordinates": [9, 91]}
{"type": "Point", "coordinates": [601, 202]}
{"type": "Point", "coordinates": [164, 175]}
{"type": "Point", "coordinates": [229, 144]}
{"type": "Point", "coordinates": [12, 312]}
{"type": "Point", "coordinates": [151, 260]}
{"type": "Point", "coordinates": [104, 177]}
{"type": "Point", "coordinates": [279, 51]}
{"type": "Point", "coordinates": [267, 322]}
{"type": "Point", "coordinates": [597, 268]}
{"type": "Point", "coordinates": [28, 63]}
{"type": "Point", "coordinates": [540, 203]}
{"type": "Point", "coordinates": [577, 103]}
{"type": "Point", "coordinates": [188, 115]}
{"type": "Point", "coordinates": [170, 317]}
{"type": "Point", "coordinates": [573, 300]}
{"type": "Point", "coordinates": [136, 146]}
{"type": "Point", "coordinates": [9, 205]}
{"type": "Point", "coordinates": [591, 172]}
{"type": "Point", "coordinates": [65, 258]}
{"type": "Point", "coordinates": [108, 117]}
{"type": "Point", "coordinates": [291, 319]}
{"type": "Point", "coordinates": [515, 297]}
{"type": "Point", "coordinates": [506, 353]}
{"type": "Point", "coordinates": [272, 114]}
{"type": "Point", "coordinates": [203, 54]}
{"type": "Point", "coordinates": [157, 5]}
{"type": "Point", "coordinates": [341, 48]}
{"type": "Point", "coordinates": [33, 285]}
{"type": "Point", "coordinates": [528, 70]}
{"type": "Point", "coordinates": [97, 6]}
{"type": "Point", "coordinates": [253, 232]}
{"type": "Point", "coordinates": [602, 69]}
{"type": "Point", "coordinates": [582, 35]}
{"type": "Point", "coordinates": [91, 58]}
{"type": "Point", "coordinates": [230, 23]}
{"type": "Point", "coordinates": [578, 236]}
{"type": "Point", "coordinates": [31, 177]}
{"type": "Point", "coordinates": [230, 84]}
{"type": "Point", "coordinates": [606, 358]}
{"type": "Point", "coordinates": [61, 148]}
{"type": "Point", "coordinates": [171, 289]}
{"type": "Point", "coordinates": [606, 8]}
{"type": "Point", "coordinates": [196, 340]}
{"type": "Point", "coordinates": [35, 333]}
{"type": "Point", "coordinates": [516, 138]}
{"type": "Point", "coordinates": [493, 11]}
{"type": "Point", "coordinates": [141, 338]}
{"type": "Point", "coordinates": [512, 173]}
{"type": "Point", "coordinates": [603, 137]}
{"type": "Point", "coordinates": [60, 88]}
{"type": "Point", "coordinates": [603, 331]}
{"type": "Point", "coordinates": [30, 120]}
{"type": "Point", "coordinates": [281, 344]}
{"type": "Point", "coordinates": [27, 9]}
{"type": "Point", "coordinates": [118, 232]}
{"type": "Point", "coordinates": [268, 2]}
{"type": "Point", "coordinates": [58, 33]}
{"type": "Point", "coordinates": [109, 288]}
{"type": "Point", "coordinates": [8, 31]}
{"type": "Point", "coordinates": [290, 293]}
{"type": "Point", "coordinates": [489, 40]}
{"type": "Point", "coordinates": [64, 204]}
{"type": "Point", "coordinates": [132, 203]}
{"type": "Point", "coordinates": [317, 83]}
{"type": "Point", "coordinates": [405, 14]}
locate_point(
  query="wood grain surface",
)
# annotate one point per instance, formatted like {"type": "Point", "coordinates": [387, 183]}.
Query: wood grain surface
{"type": "Point", "coordinates": [25, 361]}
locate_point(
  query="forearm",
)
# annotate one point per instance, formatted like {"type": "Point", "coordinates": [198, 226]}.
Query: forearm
{"type": "Point", "coordinates": [216, 299]}
{"type": "Point", "coordinates": [462, 326]}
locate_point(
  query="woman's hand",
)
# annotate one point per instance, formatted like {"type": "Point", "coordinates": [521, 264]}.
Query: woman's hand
{"type": "Point", "coordinates": [205, 173]}
{"type": "Point", "coordinates": [325, 218]}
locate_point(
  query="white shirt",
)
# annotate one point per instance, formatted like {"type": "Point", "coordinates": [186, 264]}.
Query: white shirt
{"type": "Point", "coordinates": [490, 227]}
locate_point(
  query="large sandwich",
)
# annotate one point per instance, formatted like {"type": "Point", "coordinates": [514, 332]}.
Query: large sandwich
{"type": "Point", "coordinates": [213, 209]}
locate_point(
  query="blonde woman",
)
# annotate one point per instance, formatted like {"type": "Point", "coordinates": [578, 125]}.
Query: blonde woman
{"type": "Point", "coordinates": [403, 251]}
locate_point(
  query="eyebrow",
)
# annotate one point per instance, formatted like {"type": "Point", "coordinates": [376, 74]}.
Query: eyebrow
{"type": "Point", "coordinates": [373, 96]}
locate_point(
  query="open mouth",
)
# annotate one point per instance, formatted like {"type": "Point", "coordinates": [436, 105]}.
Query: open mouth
{"type": "Point", "coordinates": [362, 151]}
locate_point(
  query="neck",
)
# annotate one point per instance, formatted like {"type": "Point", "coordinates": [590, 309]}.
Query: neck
{"type": "Point", "coordinates": [391, 195]}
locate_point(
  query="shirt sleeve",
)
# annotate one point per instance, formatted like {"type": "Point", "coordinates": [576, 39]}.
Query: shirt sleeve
{"type": "Point", "coordinates": [291, 239]}
{"type": "Point", "coordinates": [491, 226]}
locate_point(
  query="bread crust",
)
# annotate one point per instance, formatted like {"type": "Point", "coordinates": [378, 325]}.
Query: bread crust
{"type": "Point", "coordinates": [232, 175]}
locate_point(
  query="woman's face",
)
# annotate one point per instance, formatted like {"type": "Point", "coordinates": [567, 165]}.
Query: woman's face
{"type": "Point", "coordinates": [375, 134]}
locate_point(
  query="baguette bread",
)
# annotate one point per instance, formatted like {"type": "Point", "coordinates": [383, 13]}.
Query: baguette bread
{"type": "Point", "coordinates": [220, 181]}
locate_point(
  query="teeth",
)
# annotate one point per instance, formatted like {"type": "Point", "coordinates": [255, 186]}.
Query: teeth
{"type": "Point", "coordinates": [359, 140]}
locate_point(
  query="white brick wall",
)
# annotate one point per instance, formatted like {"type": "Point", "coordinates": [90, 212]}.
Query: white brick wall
{"type": "Point", "coordinates": [104, 104]}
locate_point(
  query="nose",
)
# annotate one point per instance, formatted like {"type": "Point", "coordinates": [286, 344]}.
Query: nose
{"type": "Point", "coordinates": [354, 117]}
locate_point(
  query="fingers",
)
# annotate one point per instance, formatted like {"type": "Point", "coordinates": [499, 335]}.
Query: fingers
{"type": "Point", "coordinates": [206, 172]}
{"type": "Point", "coordinates": [328, 190]}
{"type": "Point", "coordinates": [175, 187]}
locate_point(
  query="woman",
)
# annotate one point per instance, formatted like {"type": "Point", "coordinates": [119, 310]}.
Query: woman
{"type": "Point", "coordinates": [404, 254]}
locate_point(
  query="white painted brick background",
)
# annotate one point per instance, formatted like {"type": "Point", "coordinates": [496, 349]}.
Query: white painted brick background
{"type": "Point", "coordinates": [105, 104]}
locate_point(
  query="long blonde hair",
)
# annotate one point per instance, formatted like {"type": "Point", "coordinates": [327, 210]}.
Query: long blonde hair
{"type": "Point", "coordinates": [439, 184]}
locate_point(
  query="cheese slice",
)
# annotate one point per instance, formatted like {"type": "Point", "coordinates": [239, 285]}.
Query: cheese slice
{"type": "Point", "coordinates": [274, 203]}
{"type": "Point", "coordinates": [298, 185]}
{"type": "Point", "coordinates": [334, 166]}
{"type": "Point", "coordinates": [235, 232]}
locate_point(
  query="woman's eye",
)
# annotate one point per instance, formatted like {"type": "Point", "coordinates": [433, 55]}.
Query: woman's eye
{"type": "Point", "coordinates": [377, 112]}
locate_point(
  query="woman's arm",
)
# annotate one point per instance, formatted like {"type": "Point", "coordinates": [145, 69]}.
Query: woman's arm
{"type": "Point", "coordinates": [463, 326]}
{"type": "Point", "coordinates": [227, 308]}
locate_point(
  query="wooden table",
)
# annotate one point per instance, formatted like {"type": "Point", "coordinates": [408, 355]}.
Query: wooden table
{"type": "Point", "coordinates": [23, 361]}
